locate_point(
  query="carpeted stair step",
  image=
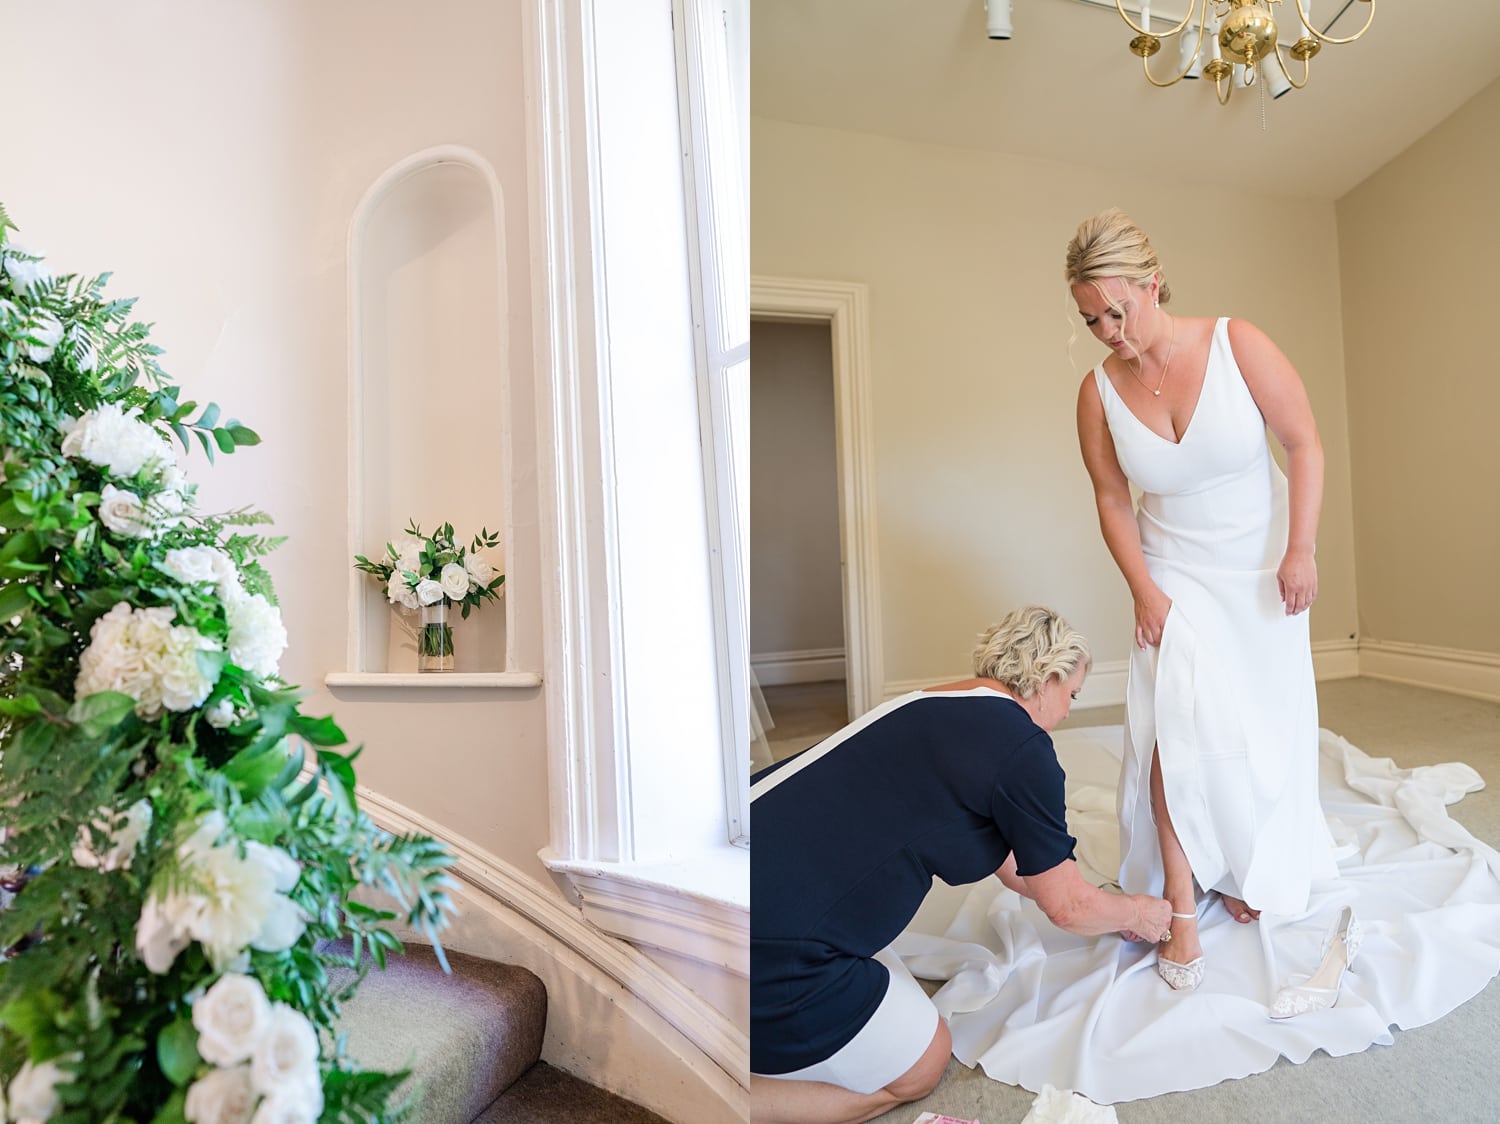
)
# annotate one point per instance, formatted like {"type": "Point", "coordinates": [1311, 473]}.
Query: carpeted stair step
{"type": "Point", "coordinates": [544, 1095]}
{"type": "Point", "coordinates": [466, 1037]}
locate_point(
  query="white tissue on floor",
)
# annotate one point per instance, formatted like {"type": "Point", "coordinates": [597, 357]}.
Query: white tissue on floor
{"type": "Point", "coordinates": [1055, 1106]}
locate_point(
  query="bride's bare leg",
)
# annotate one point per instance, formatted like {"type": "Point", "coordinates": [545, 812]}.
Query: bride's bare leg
{"type": "Point", "coordinates": [1184, 946]}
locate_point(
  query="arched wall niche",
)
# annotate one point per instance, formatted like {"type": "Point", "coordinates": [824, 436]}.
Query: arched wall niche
{"type": "Point", "coordinates": [429, 402]}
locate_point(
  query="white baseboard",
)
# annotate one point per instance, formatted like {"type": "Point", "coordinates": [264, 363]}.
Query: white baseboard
{"type": "Point", "coordinates": [1475, 675]}
{"type": "Point", "coordinates": [811, 665]}
{"type": "Point", "coordinates": [1105, 686]}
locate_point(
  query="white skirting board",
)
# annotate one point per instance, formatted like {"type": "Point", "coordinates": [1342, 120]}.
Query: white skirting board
{"type": "Point", "coordinates": [811, 665]}
{"type": "Point", "coordinates": [1105, 686]}
{"type": "Point", "coordinates": [1472, 674]}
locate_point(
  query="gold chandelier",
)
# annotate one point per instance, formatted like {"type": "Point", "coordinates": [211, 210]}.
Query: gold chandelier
{"type": "Point", "coordinates": [1232, 37]}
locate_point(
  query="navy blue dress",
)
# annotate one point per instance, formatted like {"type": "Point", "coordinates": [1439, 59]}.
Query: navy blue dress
{"type": "Point", "coordinates": [848, 836]}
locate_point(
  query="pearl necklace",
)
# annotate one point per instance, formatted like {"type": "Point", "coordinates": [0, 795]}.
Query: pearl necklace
{"type": "Point", "coordinates": [1171, 347]}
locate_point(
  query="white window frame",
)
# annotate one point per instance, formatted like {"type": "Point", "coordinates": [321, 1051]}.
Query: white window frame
{"type": "Point", "coordinates": [712, 40]}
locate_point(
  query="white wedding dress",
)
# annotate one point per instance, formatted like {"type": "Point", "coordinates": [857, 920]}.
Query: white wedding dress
{"type": "Point", "coordinates": [1229, 694]}
{"type": "Point", "coordinates": [1229, 698]}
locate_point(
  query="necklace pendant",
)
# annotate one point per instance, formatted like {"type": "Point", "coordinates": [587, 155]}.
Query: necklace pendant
{"type": "Point", "coordinates": [1157, 393]}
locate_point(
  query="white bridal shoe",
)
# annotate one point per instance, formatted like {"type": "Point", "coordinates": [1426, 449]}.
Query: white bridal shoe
{"type": "Point", "coordinates": [1321, 991]}
{"type": "Point", "coordinates": [1181, 977]}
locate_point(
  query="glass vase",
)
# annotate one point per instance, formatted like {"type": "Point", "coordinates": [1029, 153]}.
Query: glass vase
{"type": "Point", "coordinates": [435, 639]}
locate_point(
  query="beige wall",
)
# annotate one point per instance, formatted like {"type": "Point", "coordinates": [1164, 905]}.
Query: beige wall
{"type": "Point", "coordinates": [1419, 245]}
{"type": "Point", "coordinates": [983, 502]}
{"type": "Point", "coordinates": [796, 584]}
{"type": "Point", "coordinates": [212, 156]}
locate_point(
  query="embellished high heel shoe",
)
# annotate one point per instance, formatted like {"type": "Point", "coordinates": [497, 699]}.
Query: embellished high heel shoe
{"type": "Point", "coordinates": [1321, 990]}
{"type": "Point", "coordinates": [1181, 977]}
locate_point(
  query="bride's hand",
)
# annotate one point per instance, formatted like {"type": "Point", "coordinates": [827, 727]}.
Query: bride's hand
{"type": "Point", "coordinates": [1151, 616]}
{"type": "Point", "coordinates": [1297, 580]}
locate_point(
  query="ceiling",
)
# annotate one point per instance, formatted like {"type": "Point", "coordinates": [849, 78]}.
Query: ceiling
{"type": "Point", "coordinates": [1066, 88]}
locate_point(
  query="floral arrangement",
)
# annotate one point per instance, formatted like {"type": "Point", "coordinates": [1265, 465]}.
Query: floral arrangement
{"type": "Point", "coordinates": [421, 570]}
{"type": "Point", "coordinates": [186, 842]}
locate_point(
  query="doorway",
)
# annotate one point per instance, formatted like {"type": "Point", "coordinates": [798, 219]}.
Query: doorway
{"type": "Point", "coordinates": [830, 337]}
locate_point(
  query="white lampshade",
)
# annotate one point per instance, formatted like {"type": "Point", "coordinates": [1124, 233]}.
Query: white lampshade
{"type": "Point", "coordinates": [997, 18]}
{"type": "Point", "coordinates": [1186, 53]}
{"type": "Point", "coordinates": [1270, 73]}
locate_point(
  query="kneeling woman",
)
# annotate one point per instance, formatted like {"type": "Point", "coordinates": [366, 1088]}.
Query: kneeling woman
{"type": "Point", "coordinates": [958, 781]}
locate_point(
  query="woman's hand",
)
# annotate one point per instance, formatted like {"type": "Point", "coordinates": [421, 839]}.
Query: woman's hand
{"type": "Point", "coordinates": [1297, 580]}
{"type": "Point", "coordinates": [1153, 922]}
{"type": "Point", "coordinates": [1151, 616]}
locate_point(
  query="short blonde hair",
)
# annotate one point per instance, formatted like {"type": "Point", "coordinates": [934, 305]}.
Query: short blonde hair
{"type": "Point", "coordinates": [1028, 647]}
{"type": "Point", "coordinates": [1111, 245]}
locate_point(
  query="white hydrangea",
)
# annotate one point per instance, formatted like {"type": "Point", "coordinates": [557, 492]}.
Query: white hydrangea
{"type": "Point", "coordinates": [256, 635]}
{"type": "Point", "coordinates": [118, 441]}
{"type": "Point", "coordinates": [141, 653]}
{"type": "Point", "coordinates": [124, 837]}
{"type": "Point", "coordinates": [123, 513]}
{"type": "Point", "coordinates": [226, 901]}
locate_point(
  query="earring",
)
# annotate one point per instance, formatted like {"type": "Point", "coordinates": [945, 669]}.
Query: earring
{"type": "Point", "coordinates": [1156, 304]}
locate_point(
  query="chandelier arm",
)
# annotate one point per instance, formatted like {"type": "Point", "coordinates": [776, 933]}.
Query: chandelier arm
{"type": "Point", "coordinates": [1318, 35]}
{"type": "Point", "coordinates": [1146, 67]}
{"type": "Point", "coordinates": [1222, 92]}
{"type": "Point", "coordinates": [1120, 6]}
{"type": "Point", "coordinates": [1306, 70]}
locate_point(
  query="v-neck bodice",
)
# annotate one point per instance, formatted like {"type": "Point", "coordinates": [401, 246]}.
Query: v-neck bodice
{"type": "Point", "coordinates": [1220, 464]}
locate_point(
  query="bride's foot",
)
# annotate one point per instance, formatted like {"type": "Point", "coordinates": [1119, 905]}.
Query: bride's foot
{"type": "Point", "coordinates": [1183, 968]}
{"type": "Point", "coordinates": [1239, 910]}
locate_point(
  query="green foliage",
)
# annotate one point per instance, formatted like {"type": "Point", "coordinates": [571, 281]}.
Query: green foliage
{"type": "Point", "coordinates": [123, 770]}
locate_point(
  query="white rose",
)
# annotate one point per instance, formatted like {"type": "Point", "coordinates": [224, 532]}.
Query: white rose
{"type": "Point", "coordinates": [222, 1096]}
{"type": "Point", "coordinates": [455, 581]}
{"type": "Point", "coordinates": [123, 513]}
{"type": "Point", "coordinates": [299, 1106]}
{"type": "Point", "coordinates": [221, 715]}
{"type": "Point", "coordinates": [409, 553]}
{"type": "Point", "coordinates": [124, 837]}
{"type": "Point", "coordinates": [33, 1090]}
{"type": "Point", "coordinates": [47, 331]}
{"type": "Point", "coordinates": [480, 570]}
{"type": "Point", "coordinates": [286, 1057]}
{"type": "Point", "coordinates": [399, 593]}
{"type": "Point", "coordinates": [194, 564]}
{"type": "Point", "coordinates": [256, 635]}
{"type": "Point", "coordinates": [230, 1018]}
{"type": "Point", "coordinates": [429, 592]}
{"type": "Point", "coordinates": [158, 938]}
{"type": "Point", "coordinates": [24, 274]}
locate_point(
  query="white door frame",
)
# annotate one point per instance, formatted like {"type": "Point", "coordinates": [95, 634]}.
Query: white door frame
{"type": "Point", "coordinates": [844, 307]}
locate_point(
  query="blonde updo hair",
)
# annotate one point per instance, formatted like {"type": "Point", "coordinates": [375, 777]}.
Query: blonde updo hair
{"type": "Point", "coordinates": [1028, 647]}
{"type": "Point", "coordinates": [1110, 245]}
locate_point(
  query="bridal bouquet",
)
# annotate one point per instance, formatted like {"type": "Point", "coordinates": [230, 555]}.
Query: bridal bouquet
{"type": "Point", "coordinates": [186, 841]}
{"type": "Point", "coordinates": [420, 571]}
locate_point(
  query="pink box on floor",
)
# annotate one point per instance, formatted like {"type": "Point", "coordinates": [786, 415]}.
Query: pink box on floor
{"type": "Point", "coordinates": [937, 1118]}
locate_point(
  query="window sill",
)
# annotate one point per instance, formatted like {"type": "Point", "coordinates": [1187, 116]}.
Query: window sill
{"type": "Point", "coordinates": [698, 908]}
{"type": "Point", "coordinates": [497, 680]}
